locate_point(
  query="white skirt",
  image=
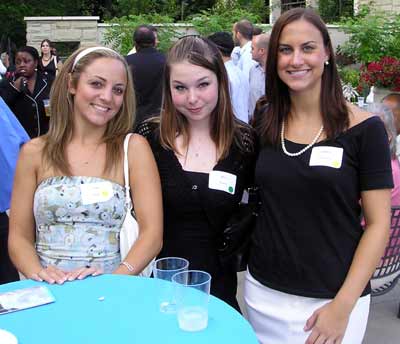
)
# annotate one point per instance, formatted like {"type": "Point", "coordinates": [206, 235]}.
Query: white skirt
{"type": "Point", "coordinates": [279, 318]}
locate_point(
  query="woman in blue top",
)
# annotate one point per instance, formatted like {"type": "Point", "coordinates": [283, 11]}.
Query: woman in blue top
{"type": "Point", "coordinates": [311, 261]}
{"type": "Point", "coordinates": [69, 183]}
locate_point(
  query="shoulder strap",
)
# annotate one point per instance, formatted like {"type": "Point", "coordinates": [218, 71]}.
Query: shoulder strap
{"type": "Point", "coordinates": [128, 200]}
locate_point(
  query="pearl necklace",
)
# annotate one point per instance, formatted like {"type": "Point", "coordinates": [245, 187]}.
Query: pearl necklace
{"type": "Point", "coordinates": [302, 150]}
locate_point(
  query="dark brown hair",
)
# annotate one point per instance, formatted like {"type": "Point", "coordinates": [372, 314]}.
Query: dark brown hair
{"type": "Point", "coordinates": [245, 27]}
{"type": "Point", "coordinates": [335, 114]}
{"type": "Point", "coordinates": [199, 52]}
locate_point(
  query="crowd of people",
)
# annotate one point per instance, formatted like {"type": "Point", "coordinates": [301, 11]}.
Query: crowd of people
{"type": "Point", "coordinates": [317, 162]}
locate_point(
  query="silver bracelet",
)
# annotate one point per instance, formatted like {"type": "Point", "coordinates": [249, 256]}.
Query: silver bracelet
{"type": "Point", "coordinates": [127, 265]}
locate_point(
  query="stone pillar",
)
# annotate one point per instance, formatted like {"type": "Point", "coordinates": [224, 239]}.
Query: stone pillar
{"type": "Point", "coordinates": [275, 10]}
{"type": "Point", "coordinates": [356, 6]}
{"type": "Point", "coordinates": [61, 29]}
{"type": "Point", "coordinates": [312, 4]}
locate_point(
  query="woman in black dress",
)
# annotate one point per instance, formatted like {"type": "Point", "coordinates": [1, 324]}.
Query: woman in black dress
{"type": "Point", "coordinates": [25, 92]}
{"type": "Point", "coordinates": [49, 63]}
{"type": "Point", "coordinates": [205, 159]}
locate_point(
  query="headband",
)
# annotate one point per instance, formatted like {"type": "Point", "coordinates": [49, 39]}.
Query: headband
{"type": "Point", "coordinates": [88, 51]}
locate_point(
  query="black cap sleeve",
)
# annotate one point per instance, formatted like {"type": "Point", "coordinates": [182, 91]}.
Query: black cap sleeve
{"type": "Point", "coordinates": [374, 155]}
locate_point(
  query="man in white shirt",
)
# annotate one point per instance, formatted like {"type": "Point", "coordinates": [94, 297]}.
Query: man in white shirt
{"type": "Point", "coordinates": [242, 33]}
{"type": "Point", "coordinates": [259, 50]}
{"type": "Point", "coordinates": [238, 83]}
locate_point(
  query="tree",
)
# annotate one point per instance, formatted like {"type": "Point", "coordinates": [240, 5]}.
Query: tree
{"type": "Point", "coordinates": [334, 10]}
{"type": "Point", "coordinates": [12, 13]}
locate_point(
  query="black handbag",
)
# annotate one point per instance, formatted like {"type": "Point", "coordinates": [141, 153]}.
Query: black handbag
{"type": "Point", "coordinates": [236, 238]}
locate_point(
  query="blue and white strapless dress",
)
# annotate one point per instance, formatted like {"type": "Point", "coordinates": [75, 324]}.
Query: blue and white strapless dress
{"type": "Point", "coordinates": [73, 231]}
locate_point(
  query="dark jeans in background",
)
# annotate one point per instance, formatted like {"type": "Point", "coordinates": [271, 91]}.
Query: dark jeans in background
{"type": "Point", "coordinates": [8, 273]}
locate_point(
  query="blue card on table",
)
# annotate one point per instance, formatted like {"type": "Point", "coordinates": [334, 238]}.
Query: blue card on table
{"type": "Point", "coordinates": [19, 299]}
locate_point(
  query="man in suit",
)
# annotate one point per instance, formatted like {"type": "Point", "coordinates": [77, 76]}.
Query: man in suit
{"type": "Point", "coordinates": [147, 67]}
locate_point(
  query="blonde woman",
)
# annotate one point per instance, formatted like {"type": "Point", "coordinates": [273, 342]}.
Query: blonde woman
{"type": "Point", "coordinates": [68, 198]}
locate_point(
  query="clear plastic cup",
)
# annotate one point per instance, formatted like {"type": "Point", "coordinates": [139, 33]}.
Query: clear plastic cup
{"type": "Point", "coordinates": [360, 102]}
{"type": "Point", "coordinates": [7, 337]}
{"type": "Point", "coordinates": [165, 268]}
{"type": "Point", "coordinates": [192, 294]}
{"type": "Point", "coordinates": [47, 110]}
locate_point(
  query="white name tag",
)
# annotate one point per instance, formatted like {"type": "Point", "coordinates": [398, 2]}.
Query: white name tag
{"type": "Point", "coordinates": [326, 156]}
{"type": "Point", "coordinates": [222, 181]}
{"type": "Point", "coordinates": [96, 192]}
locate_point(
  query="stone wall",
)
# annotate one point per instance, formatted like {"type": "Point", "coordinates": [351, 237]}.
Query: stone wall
{"type": "Point", "coordinates": [383, 5]}
{"type": "Point", "coordinates": [88, 31]}
{"type": "Point", "coordinates": [61, 29]}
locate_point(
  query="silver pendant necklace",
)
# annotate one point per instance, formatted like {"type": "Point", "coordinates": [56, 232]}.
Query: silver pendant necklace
{"type": "Point", "coordinates": [314, 141]}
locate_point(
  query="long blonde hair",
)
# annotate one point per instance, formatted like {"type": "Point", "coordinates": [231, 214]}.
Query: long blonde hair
{"type": "Point", "coordinates": [200, 52]}
{"type": "Point", "coordinates": [62, 114]}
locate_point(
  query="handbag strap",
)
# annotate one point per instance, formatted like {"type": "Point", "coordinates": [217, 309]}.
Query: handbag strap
{"type": "Point", "coordinates": [128, 201]}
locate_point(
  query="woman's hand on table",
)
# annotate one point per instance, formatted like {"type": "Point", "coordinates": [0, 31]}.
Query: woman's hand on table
{"type": "Point", "coordinates": [328, 324]}
{"type": "Point", "coordinates": [83, 272]}
{"type": "Point", "coordinates": [50, 274]}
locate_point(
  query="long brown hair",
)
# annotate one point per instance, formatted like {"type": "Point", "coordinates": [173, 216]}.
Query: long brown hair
{"type": "Point", "coordinates": [62, 114]}
{"type": "Point", "coordinates": [335, 114]}
{"type": "Point", "coordinates": [200, 52]}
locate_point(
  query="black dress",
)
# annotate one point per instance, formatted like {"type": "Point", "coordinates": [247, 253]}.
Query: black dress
{"type": "Point", "coordinates": [50, 68]}
{"type": "Point", "coordinates": [195, 215]}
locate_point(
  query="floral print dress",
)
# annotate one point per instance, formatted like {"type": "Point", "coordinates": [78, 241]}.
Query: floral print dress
{"type": "Point", "coordinates": [78, 221]}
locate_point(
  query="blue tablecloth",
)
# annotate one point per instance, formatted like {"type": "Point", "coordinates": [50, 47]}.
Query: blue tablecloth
{"type": "Point", "coordinates": [129, 314]}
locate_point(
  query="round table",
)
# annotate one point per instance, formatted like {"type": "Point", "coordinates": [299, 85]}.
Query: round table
{"type": "Point", "coordinates": [128, 313]}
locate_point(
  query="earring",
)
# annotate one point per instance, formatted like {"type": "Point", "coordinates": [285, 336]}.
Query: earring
{"type": "Point", "coordinates": [326, 62]}
{"type": "Point", "coordinates": [35, 69]}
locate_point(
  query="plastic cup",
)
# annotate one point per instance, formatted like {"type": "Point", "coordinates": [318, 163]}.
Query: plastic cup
{"type": "Point", "coordinates": [7, 337]}
{"type": "Point", "coordinates": [46, 103]}
{"type": "Point", "coordinates": [360, 102]}
{"type": "Point", "coordinates": [192, 294]}
{"type": "Point", "coordinates": [165, 268]}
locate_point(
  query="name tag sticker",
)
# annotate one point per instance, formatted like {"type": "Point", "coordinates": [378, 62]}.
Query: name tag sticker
{"type": "Point", "coordinates": [326, 156]}
{"type": "Point", "coordinates": [222, 181]}
{"type": "Point", "coordinates": [96, 192]}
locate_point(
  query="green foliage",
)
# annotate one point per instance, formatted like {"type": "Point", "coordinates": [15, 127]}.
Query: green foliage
{"type": "Point", "coordinates": [349, 76]}
{"type": "Point", "coordinates": [333, 10]}
{"type": "Point", "coordinates": [13, 25]}
{"type": "Point", "coordinates": [136, 7]}
{"type": "Point", "coordinates": [372, 35]}
{"type": "Point", "coordinates": [219, 14]}
{"type": "Point", "coordinates": [220, 19]}
{"type": "Point", "coordinates": [257, 7]}
{"type": "Point", "coordinates": [119, 34]}
{"type": "Point", "coordinates": [12, 13]}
